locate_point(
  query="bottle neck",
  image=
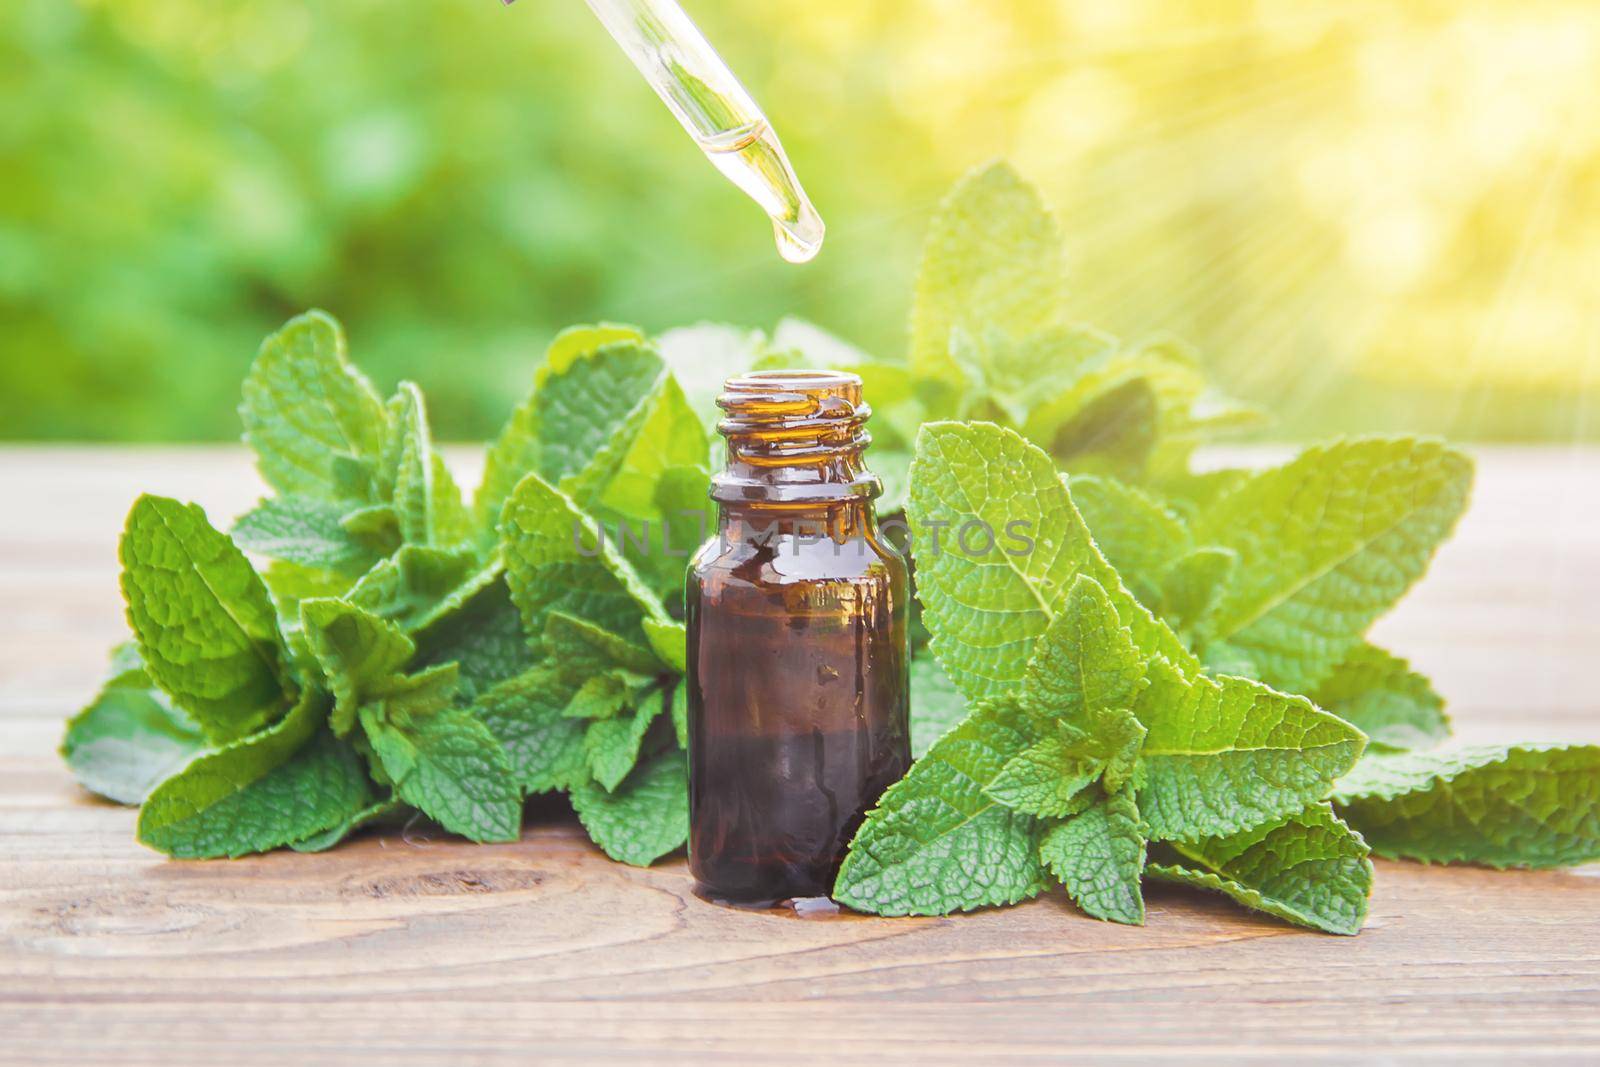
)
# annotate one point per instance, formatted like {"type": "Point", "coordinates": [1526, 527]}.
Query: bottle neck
{"type": "Point", "coordinates": [759, 523]}
{"type": "Point", "coordinates": [795, 440]}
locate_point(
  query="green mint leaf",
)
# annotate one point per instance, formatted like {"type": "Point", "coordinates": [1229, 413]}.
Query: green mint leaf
{"type": "Point", "coordinates": [290, 583]}
{"type": "Point", "coordinates": [284, 784]}
{"type": "Point", "coordinates": [360, 655]}
{"type": "Point", "coordinates": [130, 738]}
{"type": "Point", "coordinates": [1223, 755]}
{"type": "Point", "coordinates": [310, 416]}
{"type": "Point", "coordinates": [705, 355]}
{"type": "Point", "coordinates": [1498, 805]}
{"type": "Point", "coordinates": [1012, 374]}
{"type": "Point", "coordinates": [307, 532]}
{"type": "Point", "coordinates": [1379, 692]}
{"type": "Point", "coordinates": [1098, 856]}
{"type": "Point", "coordinates": [1114, 432]}
{"type": "Point", "coordinates": [427, 504]}
{"type": "Point", "coordinates": [987, 604]}
{"type": "Point", "coordinates": [482, 635]}
{"type": "Point", "coordinates": [1326, 543]}
{"type": "Point", "coordinates": [1133, 530]}
{"type": "Point", "coordinates": [936, 842]}
{"type": "Point", "coordinates": [643, 818]}
{"type": "Point", "coordinates": [591, 378]}
{"type": "Point", "coordinates": [1138, 411]}
{"type": "Point", "coordinates": [680, 713]}
{"type": "Point", "coordinates": [545, 748]}
{"type": "Point", "coordinates": [1114, 737]}
{"type": "Point", "coordinates": [1188, 493]}
{"type": "Point", "coordinates": [1086, 661]}
{"type": "Point", "coordinates": [600, 697]}
{"type": "Point", "coordinates": [557, 560]}
{"type": "Point", "coordinates": [366, 816]}
{"type": "Point", "coordinates": [1309, 869]}
{"type": "Point", "coordinates": [612, 745]}
{"type": "Point", "coordinates": [660, 434]}
{"type": "Point", "coordinates": [443, 759]}
{"type": "Point", "coordinates": [1191, 586]}
{"type": "Point", "coordinates": [669, 639]}
{"type": "Point", "coordinates": [1049, 777]}
{"type": "Point", "coordinates": [581, 650]}
{"type": "Point", "coordinates": [936, 705]}
{"type": "Point", "coordinates": [660, 544]}
{"type": "Point", "coordinates": [417, 586]}
{"type": "Point", "coordinates": [207, 629]}
{"type": "Point", "coordinates": [992, 257]}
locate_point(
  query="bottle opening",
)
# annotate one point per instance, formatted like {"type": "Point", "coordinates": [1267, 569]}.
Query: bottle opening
{"type": "Point", "coordinates": [794, 436]}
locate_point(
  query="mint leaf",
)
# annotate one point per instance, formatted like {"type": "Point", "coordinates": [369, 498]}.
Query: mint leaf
{"type": "Point", "coordinates": [1098, 856]}
{"type": "Point", "coordinates": [525, 713]}
{"type": "Point", "coordinates": [1086, 661]}
{"type": "Point", "coordinates": [1379, 692]}
{"type": "Point", "coordinates": [1498, 805]}
{"type": "Point", "coordinates": [1010, 375]}
{"type": "Point", "coordinates": [987, 607]}
{"type": "Point", "coordinates": [129, 738]}
{"type": "Point", "coordinates": [418, 585]}
{"type": "Point", "coordinates": [284, 784]}
{"type": "Point", "coordinates": [1084, 672]}
{"type": "Point", "coordinates": [1309, 869]}
{"type": "Point", "coordinates": [1049, 777]}
{"type": "Point", "coordinates": [600, 697]}
{"type": "Point", "coordinates": [1133, 530]}
{"type": "Point", "coordinates": [556, 560]}
{"type": "Point", "coordinates": [307, 412]}
{"type": "Point", "coordinates": [992, 256]}
{"type": "Point", "coordinates": [645, 817]}
{"type": "Point", "coordinates": [427, 504]}
{"type": "Point", "coordinates": [936, 705]}
{"type": "Point", "coordinates": [580, 649]}
{"type": "Point", "coordinates": [307, 532]}
{"type": "Point", "coordinates": [936, 842]}
{"type": "Point", "coordinates": [591, 378]}
{"type": "Point", "coordinates": [662, 433]}
{"type": "Point", "coordinates": [482, 635]}
{"type": "Point", "coordinates": [1126, 412]}
{"type": "Point", "coordinates": [669, 638]}
{"type": "Point", "coordinates": [205, 624]}
{"type": "Point", "coordinates": [612, 745]}
{"type": "Point", "coordinates": [706, 354]}
{"type": "Point", "coordinates": [1326, 543]}
{"type": "Point", "coordinates": [443, 759]}
{"type": "Point", "coordinates": [1114, 431]}
{"type": "Point", "coordinates": [1222, 755]}
{"type": "Point", "coordinates": [366, 816]}
{"type": "Point", "coordinates": [359, 653]}
{"type": "Point", "coordinates": [1191, 586]}
{"type": "Point", "coordinates": [680, 713]}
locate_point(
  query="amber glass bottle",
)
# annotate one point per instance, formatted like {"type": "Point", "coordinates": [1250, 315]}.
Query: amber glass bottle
{"type": "Point", "coordinates": [797, 644]}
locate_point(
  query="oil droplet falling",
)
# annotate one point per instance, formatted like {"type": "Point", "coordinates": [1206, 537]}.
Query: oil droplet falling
{"type": "Point", "coordinates": [752, 158]}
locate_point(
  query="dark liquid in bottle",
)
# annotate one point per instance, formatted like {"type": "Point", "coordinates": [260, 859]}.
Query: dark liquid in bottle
{"type": "Point", "coordinates": [798, 723]}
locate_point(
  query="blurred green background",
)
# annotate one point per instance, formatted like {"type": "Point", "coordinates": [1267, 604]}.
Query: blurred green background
{"type": "Point", "coordinates": [1365, 215]}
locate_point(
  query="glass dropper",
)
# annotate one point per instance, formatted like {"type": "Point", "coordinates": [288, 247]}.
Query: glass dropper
{"type": "Point", "coordinates": [697, 86]}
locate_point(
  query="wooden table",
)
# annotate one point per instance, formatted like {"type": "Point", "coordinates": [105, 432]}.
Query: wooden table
{"type": "Point", "coordinates": [430, 950]}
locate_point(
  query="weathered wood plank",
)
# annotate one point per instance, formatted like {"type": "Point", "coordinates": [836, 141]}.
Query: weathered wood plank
{"type": "Point", "coordinates": [410, 948]}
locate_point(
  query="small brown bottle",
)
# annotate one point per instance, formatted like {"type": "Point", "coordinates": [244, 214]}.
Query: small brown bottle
{"type": "Point", "coordinates": [797, 644]}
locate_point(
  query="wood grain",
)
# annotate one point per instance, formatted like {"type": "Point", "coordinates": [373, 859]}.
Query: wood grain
{"type": "Point", "coordinates": [418, 949]}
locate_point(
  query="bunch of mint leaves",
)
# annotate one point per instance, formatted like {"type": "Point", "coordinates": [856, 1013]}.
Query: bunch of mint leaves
{"type": "Point", "coordinates": [402, 652]}
{"type": "Point", "coordinates": [1173, 683]}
